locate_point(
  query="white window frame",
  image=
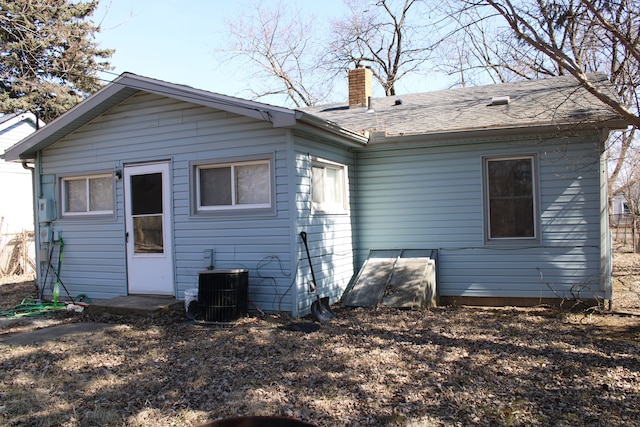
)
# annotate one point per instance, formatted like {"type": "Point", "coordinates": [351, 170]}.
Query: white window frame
{"type": "Point", "coordinates": [87, 212]}
{"type": "Point", "coordinates": [535, 204]}
{"type": "Point", "coordinates": [232, 165]}
{"type": "Point", "coordinates": [339, 207]}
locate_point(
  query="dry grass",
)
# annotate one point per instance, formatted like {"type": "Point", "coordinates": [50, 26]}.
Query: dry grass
{"type": "Point", "coordinates": [446, 366]}
{"type": "Point", "coordinates": [626, 279]}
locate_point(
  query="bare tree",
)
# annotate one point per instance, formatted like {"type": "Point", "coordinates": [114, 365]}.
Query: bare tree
{"type": "Point", "coordinates": [469, 53]}
{"type": "Point", "coordinates": [477, 49]}
{"type": "Point", "coordinates": [629, 188]}
{"type": "Point", "coordinates": [280, 43]}
{"type": "Point", "coordinates": [382, 35]}
{"type": "Point", "coordinates": [293, 58]}
{"type": "Point", "coordinates": [515, 39]}
{"type": "Point", "coordinates": [577, 37]}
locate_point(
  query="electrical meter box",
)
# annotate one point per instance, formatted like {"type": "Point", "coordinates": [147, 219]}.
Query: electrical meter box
{"type": "Point", "coordinates": [45, 234]}
{"type": "Point", "coordinates": [45, 210]}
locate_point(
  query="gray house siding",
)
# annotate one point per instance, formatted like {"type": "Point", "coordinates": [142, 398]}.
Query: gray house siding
{"type": "Point", "coordinates": [331, 236]}
{"type": "Point", "coordinates": [93, 255]}
{"type": "Point", "coordinates": [432, 197]}
{"type": "Point", "coordinates": [148, 128]}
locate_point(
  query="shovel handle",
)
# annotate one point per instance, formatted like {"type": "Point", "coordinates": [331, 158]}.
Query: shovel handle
{"type": "Point", "coordinates": [303, 235]}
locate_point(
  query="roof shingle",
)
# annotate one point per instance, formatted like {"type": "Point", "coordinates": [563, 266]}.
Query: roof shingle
{"type": "Point", "coordinates": [552, 101]}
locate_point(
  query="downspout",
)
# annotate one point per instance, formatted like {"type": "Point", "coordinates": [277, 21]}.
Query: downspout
{"type": "Point", "coordinates": [36, 185]}
{"type": "Point", "coordinates": [35, 113]}
{"type": "Point", "coordinates": [26, 166]}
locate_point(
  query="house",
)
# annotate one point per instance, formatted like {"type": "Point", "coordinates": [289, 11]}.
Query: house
{"type": "Point", "coordinates": [16, 197]}
{"type": "Point", "coordinates": [16, 194]}
{"type": "Point", "coordinates": [149, 183]}
{"type": "Point", "coordinates": [620, 209]}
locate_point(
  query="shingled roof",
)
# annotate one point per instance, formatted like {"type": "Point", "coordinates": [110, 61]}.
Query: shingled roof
{"type": "Point", "coordinates": [556, 101]}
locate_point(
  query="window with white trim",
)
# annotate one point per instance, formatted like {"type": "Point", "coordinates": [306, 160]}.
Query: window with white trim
{"type": "Point", "coordinates": [87, 195]}
{"type": "Point", "coordinates": [511, 209]}
{"type": "Point", "coordinates": [237, 185]}
{"type": "Point", "coordinates": [328, 186]}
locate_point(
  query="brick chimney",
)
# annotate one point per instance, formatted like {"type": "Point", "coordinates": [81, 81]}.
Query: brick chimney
{"type": "Point", "coordinates": [359, 87]}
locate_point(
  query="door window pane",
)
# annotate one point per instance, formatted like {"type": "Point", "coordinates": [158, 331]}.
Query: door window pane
{"type": "Point", "coordinates": [147, 234]}
{"type": "Point", "coordinates": [146, 194]}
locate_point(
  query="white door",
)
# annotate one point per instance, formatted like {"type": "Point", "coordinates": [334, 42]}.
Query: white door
{"type": "Point", "coordinates": [148, 229]}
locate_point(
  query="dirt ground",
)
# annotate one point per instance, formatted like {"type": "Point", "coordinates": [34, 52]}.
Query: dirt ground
{"type": "Point", "coordinates": [449, 366]}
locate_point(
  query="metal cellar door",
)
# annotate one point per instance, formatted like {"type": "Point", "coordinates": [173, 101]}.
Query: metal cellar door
{"type": "Point", "coordinates": [148, 229]}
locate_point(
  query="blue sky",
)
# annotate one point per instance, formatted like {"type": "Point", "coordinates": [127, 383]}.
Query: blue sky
{"type": "Point", "coordinates": [176, 41]}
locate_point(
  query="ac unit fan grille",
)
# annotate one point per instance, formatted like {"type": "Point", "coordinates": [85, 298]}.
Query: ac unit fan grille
{"type": "Point", "coordinates": [222, 295]}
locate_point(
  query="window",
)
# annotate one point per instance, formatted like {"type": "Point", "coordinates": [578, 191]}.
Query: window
{"type": "Point", "coordinates": [240, 185]}
{"type": "Point", "coordinates": [328, 187]}
{"type": "Point", "coordinates": [510, 198]}
{"type": "Point", "coordinates": [87, 195]}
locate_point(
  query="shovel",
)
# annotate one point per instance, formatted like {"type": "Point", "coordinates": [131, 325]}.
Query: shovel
{"type": "Point", "coordinates": [320, 307]}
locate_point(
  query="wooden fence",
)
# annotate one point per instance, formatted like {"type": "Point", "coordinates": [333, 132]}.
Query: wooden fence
{"type": "Point", "coordinates": [622, 229]}
{"type": "Point", "coordinates": [17, 253]}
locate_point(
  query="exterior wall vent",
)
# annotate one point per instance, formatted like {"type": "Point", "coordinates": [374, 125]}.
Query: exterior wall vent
{"type": "Point", "coordinates": [500, 100]}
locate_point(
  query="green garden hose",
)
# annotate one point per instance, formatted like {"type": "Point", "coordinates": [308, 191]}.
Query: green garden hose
{"type": "Point", "coordinates": [28, 308]}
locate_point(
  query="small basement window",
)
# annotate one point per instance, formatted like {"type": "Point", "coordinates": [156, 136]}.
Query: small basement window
{"type": "Point", "coordinates": [87, 195]}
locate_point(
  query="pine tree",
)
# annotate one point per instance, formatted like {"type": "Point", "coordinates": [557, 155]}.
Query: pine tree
{"type": "Point", "coordinates": [49, 59]}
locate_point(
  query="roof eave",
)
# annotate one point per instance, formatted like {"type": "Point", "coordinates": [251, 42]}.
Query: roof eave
{"type": "Point", "coordinates": [277, 116]}
{"type": "Point", "coordinates": [347, 136]}
{"type": "Point", "coordinates": [482, 133]}
{"type": "Point", "coordinates": [125, 86]}
{"type": "Point", "coordinates": [67, 123]}
{"type": "Point", "coordinates": [25, 116]}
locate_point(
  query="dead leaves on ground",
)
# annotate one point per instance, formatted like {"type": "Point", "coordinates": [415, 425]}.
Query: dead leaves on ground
{"type": "Point", "coordinates": [447, 366]}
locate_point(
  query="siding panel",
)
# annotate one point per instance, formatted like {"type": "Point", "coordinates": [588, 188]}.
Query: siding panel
{"type": "Point", "coordinates": [432, 198]}
{"type": "Point", "coordinates": [330, 237]}
{"type": "Point", "coordinates": [147, 127]}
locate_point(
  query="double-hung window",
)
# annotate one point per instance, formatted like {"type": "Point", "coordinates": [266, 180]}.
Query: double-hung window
{"type": "Point", "coordinates": [328, 187]}
{"type": "Point", "coordinates": [233, 185]}
{"type": "Point", "coordinates": [87, 195]}
{"type": "Point", "coordinates": [510, 192]}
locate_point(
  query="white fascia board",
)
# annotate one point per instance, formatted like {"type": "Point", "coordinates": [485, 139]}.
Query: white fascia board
{"type": "Point", "coordinates": [63, 125]}
{"type": "Point", "coordinates": [354, 139]}
{"type": "Point", "coordinates": [278, 116]}
{"type": "Point", "coordinates": [97, 103]}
